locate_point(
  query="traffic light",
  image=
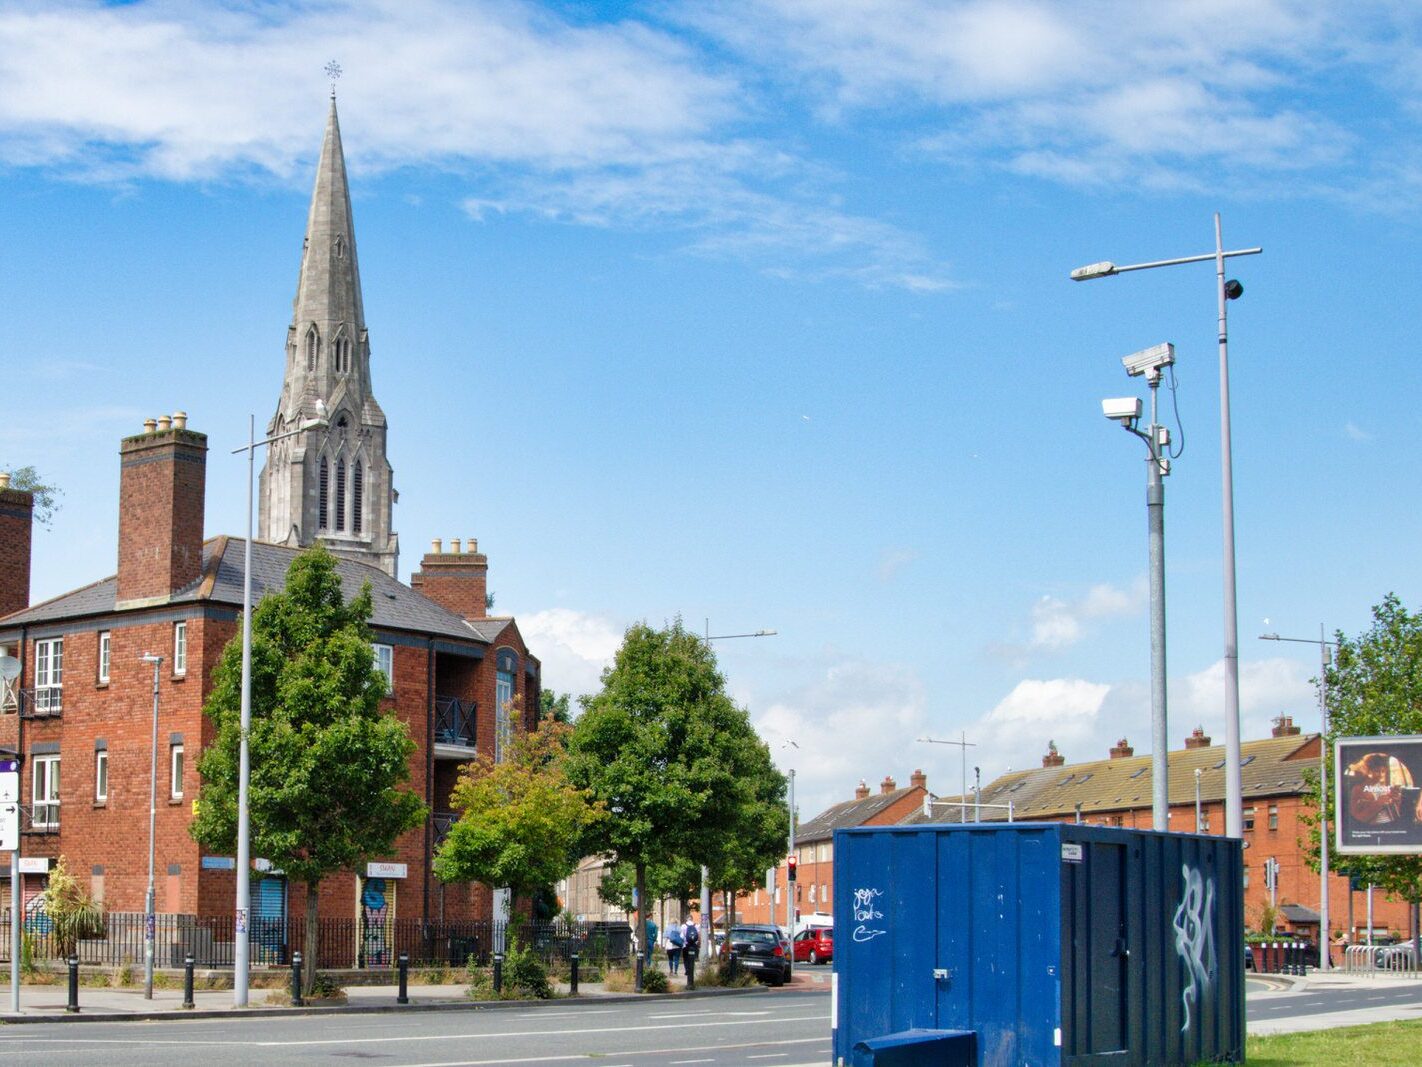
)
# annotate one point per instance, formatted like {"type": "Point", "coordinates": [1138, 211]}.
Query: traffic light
{"type": "Point", "coordinates": [790, 866]}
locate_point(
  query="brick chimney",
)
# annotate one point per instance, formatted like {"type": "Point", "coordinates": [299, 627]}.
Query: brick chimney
{"type": "Point", "coordinates": [1197, 739]}
{"type": "Point", "coordinates": [162, 480]}
{"type": "Point", "coordinates": [1284, 726]}
{"type": "Point", "coordinates": [17, 510]}
{"type": "Point", "coordinates": [862, 792]}
{"type": "Point", "coordinates": [1122, 750]}
{"type": "Point", "coordinates": [918, 780]}
{"type": "Point", "coordinates": [1053, 758]}
{"type": "Point", "coordinates": [888, 785]}
{"type": "Point", "coordinates": [457, 580]}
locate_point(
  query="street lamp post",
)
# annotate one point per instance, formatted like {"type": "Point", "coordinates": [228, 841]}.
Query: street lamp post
{"type": "Point", "coordinates": [241, 948]}
{"type": "Point", "coordinates": [1150, 362]}
{"type": "Point", "coordinates": [149, 917]}
{"type": "Point", "coordinates": [1198, 822]}
{"type": "Point", "coordinates": [1324, 657]}
{"type": "Point", "coordinates": [1227, 290]}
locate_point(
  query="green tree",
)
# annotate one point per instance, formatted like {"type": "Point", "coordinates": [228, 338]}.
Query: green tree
{"type": "Point", "coordinates": [1375, 689]}
{"type": "Point", "coordinates": [327, 761]}
{"type": "Point", "coordinates": [521, 821]}
{"type": "Point", "coordinates": [557, 705]}
{"type": "Point", "coordinates": [46, 496]}
{"type": "Point", "coordinates": [677, 764]}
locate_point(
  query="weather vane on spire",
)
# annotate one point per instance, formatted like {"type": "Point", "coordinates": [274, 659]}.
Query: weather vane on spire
{"type": "Point", "coordinates": [333, 71]}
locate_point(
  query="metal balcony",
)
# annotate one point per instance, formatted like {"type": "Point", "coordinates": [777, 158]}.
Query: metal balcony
{"type": "Point", "coordinates": [443, 822]}
{"type": "Point", "coordinates": [41, 702]}
{"type": "Point", "coordinates": [454, 728]}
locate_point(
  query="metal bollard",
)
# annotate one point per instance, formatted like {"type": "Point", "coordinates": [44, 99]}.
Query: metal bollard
{"type": "Point", "coordinates": [73, 1005]}
{"type": "Point", "coordinates": [404, 995]}
{"type": "Point", "coordinates": [296, 998]}
{"type": "Point", "coordinates": [188, 962]}
{"type": "Point", "coordinates": [498, 974]}
{"type": "Point", "coordinates": [637, 972]}
{"type": "Point", "coordinates": [689, 965]}
{"type": "Point", "coordinates": [573, 982]}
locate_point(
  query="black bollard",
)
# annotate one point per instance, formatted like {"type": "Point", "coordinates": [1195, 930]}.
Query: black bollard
{"type": "Point", "coordinates": [188, 962]}
{"type": "Point", "coordinates": [296, 998]}
{"type": "Point", "coordinates": [637, 971]}
{"type": "Point", "coordinates": [573, 982]}
{"type": "Point", "coordinates": [404, 995]}
{"type": "Point", "coordinates": [688, 962]}
{"type": "Point", "coordinates": [498, 974]}
{"type": "Point", "coordinates": [73, 1005]}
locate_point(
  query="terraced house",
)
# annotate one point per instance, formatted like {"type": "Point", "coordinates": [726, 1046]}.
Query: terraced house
{"type": "Point", "coordinates": [81, 710]}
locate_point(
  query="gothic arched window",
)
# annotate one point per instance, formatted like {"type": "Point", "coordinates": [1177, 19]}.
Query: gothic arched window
{"type": "Point", "coordinates": [321, 511]}
{"type": "Point", "coordinates": [340, 494]}
{"type": "Point", "coordinates": [313, 348]}
{"type": "Point", "coordinates": [357, 496]}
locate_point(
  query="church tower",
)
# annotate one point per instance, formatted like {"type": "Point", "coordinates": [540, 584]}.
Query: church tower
{"type": "Point", "coordinates": [329, 484]}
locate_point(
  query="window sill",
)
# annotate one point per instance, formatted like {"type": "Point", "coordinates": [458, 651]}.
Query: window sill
{"type": "Point", "coordinates": [101, 803]}
{"type": "Point", "coordinates": [179, 677]}
{"type": "Point", "coordinates": [175, 802]}
{"type": "Point", "coordinates": [102, 683]}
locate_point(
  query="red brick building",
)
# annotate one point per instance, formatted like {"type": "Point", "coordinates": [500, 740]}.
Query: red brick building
{"type": "Point", "coordinates": [81, 713]}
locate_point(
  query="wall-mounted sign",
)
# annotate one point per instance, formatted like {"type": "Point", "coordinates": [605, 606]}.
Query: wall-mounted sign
{"type": "Point", "coordinates": [387, 870]}
{"type": "Point", "coordinates": [1071, 851]}
{"type": "Point", "coordinates": [1379, 794]}
{"type": "Point", "coordinates": [34, 864]}
{"type": "Point", "coordinates": [219, 863]}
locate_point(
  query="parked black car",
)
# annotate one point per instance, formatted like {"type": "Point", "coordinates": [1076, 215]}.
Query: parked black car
{"type": "Point", "coordinates": [761, 950]}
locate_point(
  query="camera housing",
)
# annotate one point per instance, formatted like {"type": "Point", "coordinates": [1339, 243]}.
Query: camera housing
{"type": "Point", "coordinates": [1149, 361]}
{"type": "Point", "coordinates": [1123, 409]}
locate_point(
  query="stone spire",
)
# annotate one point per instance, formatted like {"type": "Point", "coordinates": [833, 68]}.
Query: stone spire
{"type": "Point", "coordinates": [333, 485]}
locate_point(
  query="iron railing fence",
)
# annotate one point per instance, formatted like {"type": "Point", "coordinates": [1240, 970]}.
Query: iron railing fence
{"type": "Point", "coordinates": [341, 943]}
{"type": "Point", "coordinates": [456, 722]}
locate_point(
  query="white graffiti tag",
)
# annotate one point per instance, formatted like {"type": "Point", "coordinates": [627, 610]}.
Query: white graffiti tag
{"type": "Point", "coordinates": [1195, 937]}
{"type": "Point", "coordinates": [866, 912]}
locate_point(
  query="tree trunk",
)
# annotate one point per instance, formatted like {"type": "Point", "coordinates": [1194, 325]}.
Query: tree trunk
{"type": "Point", "coordinates": [641, 928]}
{"type": "Point", "coordinates": [312, 939]}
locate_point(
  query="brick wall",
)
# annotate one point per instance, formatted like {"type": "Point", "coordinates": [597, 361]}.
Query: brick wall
{"type": "Point", "coordinates": [456, 580]}
{"type": "Point", "coordinates": [161, 486]}
{"type": "Point", "coordinates": [16, 525]}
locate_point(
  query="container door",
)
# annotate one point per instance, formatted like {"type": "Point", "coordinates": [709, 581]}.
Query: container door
{"type": "Point", "coordinates": [1109, 956]}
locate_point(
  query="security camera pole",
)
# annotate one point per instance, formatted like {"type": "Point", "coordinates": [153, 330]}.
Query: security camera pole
{"type": "Point", "coordinates": [1227, 290]}
{"type": "Point", "coordinates": [1127, 412]}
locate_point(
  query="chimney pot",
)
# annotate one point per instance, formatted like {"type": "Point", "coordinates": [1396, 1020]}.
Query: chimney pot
{"type": "Point", "coordinates": [471, 545]}
{"type": "Point", "coordinates": [1122, 750]}
{"type": "Point", "coordinates": [1053, 758]}
{"type": "Point", "coordinates": [918, 779]}
{"type": "Point", "coordinates": [1197, 739]}
{"type": "Point", "coordinates": [150, 425]}
{"type": "Point", "coordinates": [887, 785]}
{"type": "Point", "coordinates": [437, 546]}
{"type": "Point", "coordinates": [164, 422]}
{"type": "Point", "coordinates": [180, 420]}
{"type": "Point", "coordinates": [454, 546]}
{"type": "Point", "coordinates": [1284, 726]}
{"type": "Point", "coordinates": [862, 792]}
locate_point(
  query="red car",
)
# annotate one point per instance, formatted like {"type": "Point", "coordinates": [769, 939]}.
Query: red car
{"type": "Point", "coordinates": [815, 944]}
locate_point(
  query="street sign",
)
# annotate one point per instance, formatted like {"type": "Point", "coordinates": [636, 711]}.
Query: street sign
{"type": "Point", "coordinates": [9, 805]}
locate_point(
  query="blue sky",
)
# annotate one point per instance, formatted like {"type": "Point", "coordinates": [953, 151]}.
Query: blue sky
{"type": "Point", "coordinates": [758, 312]}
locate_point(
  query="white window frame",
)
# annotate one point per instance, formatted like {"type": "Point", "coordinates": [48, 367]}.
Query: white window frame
{"type": "Point", "coordinates": [175, 771]}
{"type": "Point", "coordinates": [503, 722]}
{"type": "Point", "coordinates": [45, 792]}
{"type": "Point", "coordinates": [49, 674]}
{"type": "Point", "coordinates": [812, 892]}
{"type": "Point", "coordinates": [385, 664]}
{"type": "Point", "coordinates": [106, 649]}
{"type": "Point", "coordinates": [101, 776]}
{"type": "Point", "coordinates": [9, 690]}
{"type": "Point", "coordinates": [180, 647]}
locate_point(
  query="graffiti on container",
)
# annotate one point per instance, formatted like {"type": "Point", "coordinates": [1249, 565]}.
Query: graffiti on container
{"type": "Point", "coordinates": [1195, 937]}
{"type": "Point", "coordinates": [866, 912]}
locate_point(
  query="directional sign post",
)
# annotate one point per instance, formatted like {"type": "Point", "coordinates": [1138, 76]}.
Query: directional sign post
{"type": "Point", "coordinates": [10, 842]}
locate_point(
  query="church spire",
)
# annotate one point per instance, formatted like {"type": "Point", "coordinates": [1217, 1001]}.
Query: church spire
{"type": "Point", "coordinates": [332, 484]}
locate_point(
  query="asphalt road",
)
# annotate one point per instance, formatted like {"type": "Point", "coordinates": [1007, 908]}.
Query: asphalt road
{"type": "Point", "coordinates": [1328, 1001]}
{"type": "Point", "coordinates": [780, 1029]}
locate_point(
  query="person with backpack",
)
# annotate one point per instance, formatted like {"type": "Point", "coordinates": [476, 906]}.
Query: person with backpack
{"type": "Point", "coordinates": [690, 950]}
{"type": "Point", "coordinates": [674, 942]}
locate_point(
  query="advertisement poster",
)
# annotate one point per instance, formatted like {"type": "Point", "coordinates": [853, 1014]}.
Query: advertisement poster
{"type": "Point", "coordinates": [1379, 800]}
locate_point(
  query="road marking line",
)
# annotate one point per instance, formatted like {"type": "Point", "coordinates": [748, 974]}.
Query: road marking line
{"type": "Point", "coordinates": [583, 1057]}
{"type": "Point", "coordinates": [693, 1061]}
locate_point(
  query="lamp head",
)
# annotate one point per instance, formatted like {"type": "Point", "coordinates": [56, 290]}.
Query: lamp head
{"type": "Point", "coordinates": [1233, 290]}
{"type": "Point", "coordinates": [1104, 269]}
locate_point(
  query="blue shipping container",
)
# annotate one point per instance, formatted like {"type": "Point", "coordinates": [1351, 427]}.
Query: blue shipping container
{"type": "Point", "coordinates": [1057, 943]}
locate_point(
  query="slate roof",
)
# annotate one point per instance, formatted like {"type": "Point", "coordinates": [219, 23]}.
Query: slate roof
{"type": "Point", "coordinates": [1270, 767]}
{"type": "Point", "coordinates": [850, 813]}
{"type": "Point", "coordinates": [395, 606]}
{"type": "Point", "coordinates": [1297, 913]}
{"type": "Point", "coordinates": [949, 810]}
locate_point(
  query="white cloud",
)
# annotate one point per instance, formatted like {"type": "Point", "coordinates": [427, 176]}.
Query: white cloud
{"type": "Point", "coordinates": [892, 561]}
{"type": "Point", "coordinates": [1056, 624]}
{"type": "Point", "coordinates": [573, 646]}
{"type": "Point", "coordinates": [1356, 433]}
{"type": "Point", "coordinates": [1267, 688]}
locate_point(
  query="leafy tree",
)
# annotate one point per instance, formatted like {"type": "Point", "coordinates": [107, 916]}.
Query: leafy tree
{"type": "Point", "coordinates": [1375, 689]}
{"type": "Point", "coordinates": [327, 761]}
{"type": "Point", "coordinates": [46, 496]}
{"type": "Point", "coordinates": [521, 820]}
{"type": "Point", "coordinates": [677, 764]}
{"type": "Point", "coordinates": [73, 912]}
{"type": "Point", "coordinates": [558, 705]}
{"type": "Point", "coordinates": [678, 881]}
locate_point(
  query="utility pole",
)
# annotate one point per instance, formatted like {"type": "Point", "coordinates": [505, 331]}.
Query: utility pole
{"type": "Point", "coordinates": [963, 745]}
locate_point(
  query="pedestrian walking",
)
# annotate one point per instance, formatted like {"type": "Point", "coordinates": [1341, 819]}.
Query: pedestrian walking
{"type": "Point", "coordinates": [674, 946]}
{"type": "Point", "coordinates": [690, 950]}
{"type": "Point", "coordinates": [650, 942]}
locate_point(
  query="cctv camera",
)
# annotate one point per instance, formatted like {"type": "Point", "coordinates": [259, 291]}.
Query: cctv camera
{"type": "Point", "coordinates": [1148, 361]}
{"type": "Point", "coordinates": [1233, 290]}
{"type": "Point", "coordinates": [1124, 409]}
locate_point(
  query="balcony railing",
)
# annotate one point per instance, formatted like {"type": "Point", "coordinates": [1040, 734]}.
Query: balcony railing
{"type": "Point", "coordinates": [454, 722]}
{"type": "Point", "coordinates": [443, 821]}
{"type": "Point", "coordinates": [41, 702]}
{"type": "Point", "coordinates": [41, 818]}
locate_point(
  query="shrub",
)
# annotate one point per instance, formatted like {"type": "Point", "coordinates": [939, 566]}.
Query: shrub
{"type": "Point", "coordinates": [717, 974]}
{"type": "Point", "coordinates": [617, 980]}
{"type": "Point", "coordinates": [525, 975]}
{"type": "Point", "coordinates": [73, 912]}
{"type": "Point", "coordinates": [654, 981]}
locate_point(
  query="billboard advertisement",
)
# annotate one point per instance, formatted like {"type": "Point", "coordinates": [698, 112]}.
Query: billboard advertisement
{"type": "Point", "coordinates": [1379, 800]}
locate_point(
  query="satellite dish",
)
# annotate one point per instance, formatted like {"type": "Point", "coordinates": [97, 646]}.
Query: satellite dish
{"type": "Point", "coordinates": [9, 668]}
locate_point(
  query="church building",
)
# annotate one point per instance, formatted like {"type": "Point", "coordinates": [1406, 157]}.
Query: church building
{"type": "Point", "coordinates": [80, 709]}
